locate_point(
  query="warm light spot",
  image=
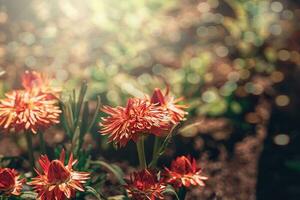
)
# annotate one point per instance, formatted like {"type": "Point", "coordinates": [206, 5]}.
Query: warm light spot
{"type": "Point", "coordinates": [252, 118]}
{"type": "Point", "coordinates": [2, 52]}
{"type": "Point", "coordinates": [3, 17]}
{"type": "Point", "coordinates": [276, 6]}
{"type": "Point", "coordinates": [281, 139]}
{"type": "Point", "coordinates": [233, 76]}
{"type": "Point", "coordinates": [284, 55]}
{"type": "Point", "coordinates": [295, 56]}
{"type": "Point", "coordinates": [258, 89]}
{"type": "Point", "coordinates": [221, 51]}
{"type": "Point", "coordinates": [208, 77]}
{"type": "Point", "coordinates": [277, 76]}
{"type": "Point", "coordinates": [203, 7]}
{"type": "Point", "coordinates": [282, 100]}
{"type": "Point", "coordinates": [213, 3]}
{"type": "Point", "coordinates": [244, 74]}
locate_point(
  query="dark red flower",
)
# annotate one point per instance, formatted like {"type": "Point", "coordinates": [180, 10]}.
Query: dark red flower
{"type": "Point", "coordinates": [10, 182]}
{"type": "Point", "coordinates": [145, 185]}
{"type": "Point", "coordinates": [184, 172]}
{"type": "Point", "coordinates": [57, 181]}
{"type": "Point", "coordinates": [138, 117]}
{"type": "Point", "coordinates": [24, 110]}
{"type": "Point", "coordinates": [176, 111]}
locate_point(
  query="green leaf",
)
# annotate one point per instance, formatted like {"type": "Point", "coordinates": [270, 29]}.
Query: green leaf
{"type": "Point", "coordinates": [29, 195]}
{"type": "Point", "coordinates": [75, 141]}
{"type": "Point", "coordinates": [114, 169]}
{"type": "Point", "coordinates": [92, 122]}
{"type": "Point", "coordinates": [170, 190]}
{"type": "Point", "coordinates": [85, 118]}
{"type": "Point", "coordinates": [82, 93]}
{"type": "Point", "coordinates": [93, 192]}
{"type": "Point", "coordinates": [164, 145]}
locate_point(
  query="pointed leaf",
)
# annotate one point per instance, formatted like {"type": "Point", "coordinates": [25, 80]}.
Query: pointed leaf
{"type": "Point", "coordinates": [92, 122]}
{"type": "Point", "coordinates": [114, 169]}
{"type": "Point", "coordinates": [28, 195]}
{"type": "Point", "coordinates": [171, 190]}
{"type": "Point", "coordinates": [93, 192]}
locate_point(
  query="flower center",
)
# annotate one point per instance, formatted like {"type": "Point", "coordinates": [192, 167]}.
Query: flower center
{"type": "Point", "coordinates": [7, 181]}
{"type": "Point", "coordinates": [58, 173]}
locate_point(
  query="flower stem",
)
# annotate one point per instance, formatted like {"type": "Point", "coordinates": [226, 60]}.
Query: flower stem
{"type": "Point", "coordinates": [182, 193]}
{"type": "Point", "coordinates": [42, 143]}
{"type": "Point", "coordinates": [157, 143]}
{"type": "Point", "coordinates": [141, 152]}
{"type": "Point", "coordinates": [30, 150]}
{"type": "Point", "coordinates": [3, 197]}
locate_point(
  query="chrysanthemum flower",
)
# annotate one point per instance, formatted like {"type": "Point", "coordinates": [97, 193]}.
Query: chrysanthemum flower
{"type": "Point", "coordinates": [23, 110]}
{"type": "Point", "coordinates": [57, 181]}
{"type": "Point", "coordinates": [35, 81]}
{"type": "Point", "coordinates": [184, 172]}
{"type": "Point", "coordinates": [138, 117]}
{"type": "Point", "coordinates": [10, 182]}
{"type": "Point", "coordinates": [176, 111]}
{"type": "Point", "coordinates": [145, 185]}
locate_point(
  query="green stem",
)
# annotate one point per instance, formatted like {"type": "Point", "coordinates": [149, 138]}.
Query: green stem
{"type": "Point", "coordinates": [157, 143]}
{"type": "Point", "coordinates": [141, 152]}
{"type": "Point", "coordinates": [3, 197]}
{"type": "Point", "coordinates": [42, 143]}
{"type": "Point", "coordinates": [182, 193]}
{"type": "Point", "coordinates": [30, 150]}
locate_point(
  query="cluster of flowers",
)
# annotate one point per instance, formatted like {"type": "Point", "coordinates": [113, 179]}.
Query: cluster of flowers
{"type": "Point", "coordinates": [35, 108]}
{"type": "Point", "coordinates": [55, 181]}
{"type": "Point", "coordinates": [31, 108]}
{"type": "Point", "coordinates": [155, 115]}
{"type": "Point", "coordinates": [150, 184]}
{"type": "Point", "coordinates": [58, 181]}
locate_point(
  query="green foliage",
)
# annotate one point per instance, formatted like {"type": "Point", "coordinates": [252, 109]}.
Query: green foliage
{"type": "Point", "coordinates": [75, 118]}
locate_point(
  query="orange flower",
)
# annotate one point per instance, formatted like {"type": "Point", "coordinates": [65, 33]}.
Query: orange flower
{"type": "Point", "coordinates": [144, 185]}
{"type": "Point", "coordinates": [184, 172]}
{"type": "Point", "coordinates": [10, 182]}
{"type": "Point", "coordinates": [34, 81]}
{"type": "Point", "coordinates": [57, 181]}
{"type": "Point", "coordinates": [176, 111]}
{"type": "Point", "coordinates": [138, 117]}
{"type": "Point", "coordinates": [23, 110]}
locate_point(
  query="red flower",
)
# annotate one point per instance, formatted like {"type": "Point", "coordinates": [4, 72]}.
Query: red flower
{"type": "Point", "coordinates": [34, 81]}
{"type": "Point", "coordinates": [23, 110]}
{"type": "Point", "coordinates": [10, 182]}
{"type": "Point", "coordinates": [138, 117]}
{"type": "Point", "coordinates": [184, 172]}
{"type": "Point", "coordinates": [176, 111]}
{"type": "Point", "coordinates": [57, 181]}
{"type": "Point", "coordinates": [144, 185]}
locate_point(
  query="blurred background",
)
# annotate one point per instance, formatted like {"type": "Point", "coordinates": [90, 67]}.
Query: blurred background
{"type": "Point", "coordinates": [236, 62]}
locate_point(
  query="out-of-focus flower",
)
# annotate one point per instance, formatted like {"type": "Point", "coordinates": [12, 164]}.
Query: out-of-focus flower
{"type": "Point", "coordinates": [38, 82]}
{"type": "Point", "coordinates": [24, 110]}
{"type": "Point", "coordinates": [145, 184]}
{"type": "Point", "coordinates": [184, 172]}
{"type": "Point", "coordinates": [10, 182]}
{"type": "Point", "coordinates": [138, 117]}
{"type": "Point", "coordinates": [57, 181]}
{"type": "Point", "coordinates": [176, 111]}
